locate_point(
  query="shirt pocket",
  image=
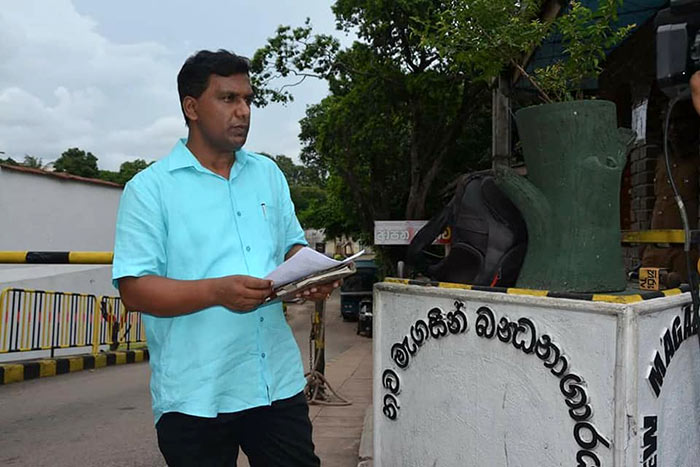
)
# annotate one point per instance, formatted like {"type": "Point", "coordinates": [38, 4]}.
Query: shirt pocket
{"type": "Point", "coordinates": [270, 219]}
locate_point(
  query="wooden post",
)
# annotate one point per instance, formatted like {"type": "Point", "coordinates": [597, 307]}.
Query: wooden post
{"type": "Point", "coordinates": [500, 124]}
{"type": "Point", "coordinates": [319, 337]}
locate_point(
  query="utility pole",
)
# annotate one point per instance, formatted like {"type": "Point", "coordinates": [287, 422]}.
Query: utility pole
{"type": "Point", "coordinates": [318, 329]}
{"type": "Point", "coordinates": [318, 390]}
{"type": "Point", "coordinates": [500, 121]}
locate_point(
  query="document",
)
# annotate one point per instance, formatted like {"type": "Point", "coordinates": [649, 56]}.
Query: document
{"type": "Point", "coordinates": [306, 268]}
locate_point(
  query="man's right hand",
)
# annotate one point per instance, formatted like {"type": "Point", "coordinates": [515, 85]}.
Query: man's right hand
{"type": "Point", "coordinates": [241, 293]}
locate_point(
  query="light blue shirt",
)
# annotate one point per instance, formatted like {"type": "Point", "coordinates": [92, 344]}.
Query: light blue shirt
{"type": "Point", "coordinates": [179, 220]}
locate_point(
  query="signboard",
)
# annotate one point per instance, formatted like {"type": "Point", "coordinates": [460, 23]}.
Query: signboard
{"type": "Point", "coordinates": [402, 232]}
{"type": "Point", "coordinates": [639, 120]}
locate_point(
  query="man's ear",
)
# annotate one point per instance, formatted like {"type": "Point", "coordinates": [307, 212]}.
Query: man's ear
{"type": "Point", "coordinates": [189, 107]}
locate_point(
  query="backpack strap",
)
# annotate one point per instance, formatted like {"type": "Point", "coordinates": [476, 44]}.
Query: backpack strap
{"type": "Point", "coordinates": [436, 225]}
{"type": "Point", "coordinates": [425, 236]}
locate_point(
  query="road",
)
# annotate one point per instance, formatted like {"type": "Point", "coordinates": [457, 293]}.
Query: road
{"type": "Point", "coordinates": [103, 417]}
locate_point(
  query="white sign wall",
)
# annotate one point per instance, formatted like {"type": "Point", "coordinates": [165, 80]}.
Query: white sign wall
{"type": "Point", "coordinates": [467, 378]}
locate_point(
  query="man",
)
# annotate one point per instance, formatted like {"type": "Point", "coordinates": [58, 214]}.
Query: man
{"type": "Point", "coordinates": [195, 233]}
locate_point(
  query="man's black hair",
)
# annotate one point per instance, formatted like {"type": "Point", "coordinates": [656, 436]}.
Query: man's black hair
{"type": "Point", "coordinates": [194, 75]}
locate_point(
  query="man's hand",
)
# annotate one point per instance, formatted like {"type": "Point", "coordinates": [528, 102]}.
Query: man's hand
{"type": "Point", "coordinates": [695, 90]}
{"type": "Point", "coordinates": [241, 293]}
{"type": "Point", "coordinates": [318, 293]}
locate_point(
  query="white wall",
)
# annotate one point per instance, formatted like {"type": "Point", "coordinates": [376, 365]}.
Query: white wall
{"type": "Point", "coordinates": [42, 212]}
{"type": "Point", "coordinates": [333, 246]}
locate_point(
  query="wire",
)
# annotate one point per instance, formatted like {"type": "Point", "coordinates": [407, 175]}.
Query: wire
{"type": "Point", "coordinates": [676, 194]}
{"type": "Point", "coordinates": [692, 277]}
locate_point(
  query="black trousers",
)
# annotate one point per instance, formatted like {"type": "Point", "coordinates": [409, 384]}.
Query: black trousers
{"type": "Point", "coordinates": [278, 435]}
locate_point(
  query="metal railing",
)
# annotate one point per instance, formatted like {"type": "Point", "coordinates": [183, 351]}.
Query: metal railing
{"type": "Point", "coordinates": [32, 320]}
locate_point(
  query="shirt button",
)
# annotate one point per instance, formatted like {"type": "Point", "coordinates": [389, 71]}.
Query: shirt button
{"type": "Point", "coordinates": [262, 355]}
{"type": "Point", "coordinates": [239, 213]}
{"type": "Point", "coordinates": [247, 248]}
{"type": "Point", "coordinates": [262, 319]}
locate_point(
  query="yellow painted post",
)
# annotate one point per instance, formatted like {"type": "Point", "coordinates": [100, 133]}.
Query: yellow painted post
{"type": "Point", "coordinates": [3, 311]}
{"type": "Point", "coordinates": [65, 316]}
{"type": "Point", "coordinates": [22, 334]}
{"type": "Point", "coordinates": [46, 324]}
{"type": "Point", "coordinates": [80, 328]}
{"type": "Point", "coordinates": [96, 326]}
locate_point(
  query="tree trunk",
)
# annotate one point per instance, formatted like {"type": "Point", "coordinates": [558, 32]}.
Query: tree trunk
{"type": "Point", "coordinates": [429, 151]}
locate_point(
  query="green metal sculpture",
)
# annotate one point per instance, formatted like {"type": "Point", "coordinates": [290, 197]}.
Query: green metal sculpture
{"type": "Point", "coordinates": [575, 155]}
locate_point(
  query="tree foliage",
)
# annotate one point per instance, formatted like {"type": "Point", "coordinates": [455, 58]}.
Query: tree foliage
{"type": "Point", "coordinates": [586, 35]}
{"type": "Point", "coordinates": [399, 121]}
{"type": "Point", "coordinates": [126, 171]}
{"type": "Point", "coordinates": [77, 162]}
{"type": "Point", "coordinates": [28, 161]}
{"type": "Point", "coordinates": [33, 162]}
{"type": "Point", "coordinates": [307, 189]}
{"type": "Point", "coordinates": [487, 36]}
{"type": "Point", "coordinates": [9, 161]}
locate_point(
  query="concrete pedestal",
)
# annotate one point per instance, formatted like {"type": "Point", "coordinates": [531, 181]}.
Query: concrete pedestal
{"type": "Point", "coordinates": [483, 378]}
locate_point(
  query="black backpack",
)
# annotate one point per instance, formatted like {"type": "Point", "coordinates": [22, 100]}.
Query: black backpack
{"type": "Point", "coordinates": [488, 241]}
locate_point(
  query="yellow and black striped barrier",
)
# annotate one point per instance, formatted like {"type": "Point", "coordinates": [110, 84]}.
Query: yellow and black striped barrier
{"type": "Point", "coordinates": [622, 298]}
{"type": "Point", "coordinates": [56, 257]}
{"type": "Point", "coordinates": [38, 320]}
{"type": "Point", "coordinates": [22, 371]}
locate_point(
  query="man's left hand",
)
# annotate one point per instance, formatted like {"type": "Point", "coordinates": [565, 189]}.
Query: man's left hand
{"type": "Point", "coordinates": [318, 293]}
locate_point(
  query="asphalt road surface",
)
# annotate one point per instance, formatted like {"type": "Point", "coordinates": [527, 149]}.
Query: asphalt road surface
{"type": "Point", "coordinates": [103, 417]}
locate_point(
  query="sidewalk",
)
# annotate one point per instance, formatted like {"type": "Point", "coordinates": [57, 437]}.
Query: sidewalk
{"type": "Point", "coordinates": [337, 430]}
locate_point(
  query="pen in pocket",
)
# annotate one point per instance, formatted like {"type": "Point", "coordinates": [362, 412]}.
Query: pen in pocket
{"type": "Point", "coordinates": [263, 210]}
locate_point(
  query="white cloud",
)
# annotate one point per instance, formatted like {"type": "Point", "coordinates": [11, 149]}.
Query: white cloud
{"type": "Point", "coordinates": [62, 85]}
{"type": "Point", "coordinates": [106, 82]}
{"type": "Point", "coordinates": [148, 143]}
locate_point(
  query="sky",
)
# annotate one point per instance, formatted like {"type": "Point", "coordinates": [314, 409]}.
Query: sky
{"type": "Point", "coordinates": [101, 75]}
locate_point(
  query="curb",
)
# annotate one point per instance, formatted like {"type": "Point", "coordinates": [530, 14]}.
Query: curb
{"type": "Point", "coordinates": [366, 454]}
{"type": "Point", "coordinates": [31, 369]}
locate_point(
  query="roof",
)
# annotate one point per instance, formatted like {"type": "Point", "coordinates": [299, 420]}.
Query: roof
{"type": "Point", "coordinates": [637, 12]}
{"type": "Point", "coordinates": [61, 175]}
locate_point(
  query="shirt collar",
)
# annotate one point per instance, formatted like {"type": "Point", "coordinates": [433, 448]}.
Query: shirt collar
{"type": "Point", "coordinates": [181, 157]}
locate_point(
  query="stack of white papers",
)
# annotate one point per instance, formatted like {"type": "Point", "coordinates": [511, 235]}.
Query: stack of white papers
{"type": "Point", "coordinates": [306, 268]}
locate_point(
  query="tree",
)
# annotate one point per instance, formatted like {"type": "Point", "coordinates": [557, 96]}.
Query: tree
{"type": "Point", "coordinates": [398, 116]}
{"type": "Point", "coordinates": [296, 174]}
{"type": "Point", "coordinates": [130, 168]}
{"type": "Point", "coordinates": [306, 187]}
{"type": "Point", "coordinates": [9, 161]}
{"type": "Point", "coordinates": [77, 162]}
{"type": "Point", "coordinates": [29, 161]}
{"type": "Point", "coordinates": [127, 170]}
{"type": "Point", "coordinates": [33, 162]}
